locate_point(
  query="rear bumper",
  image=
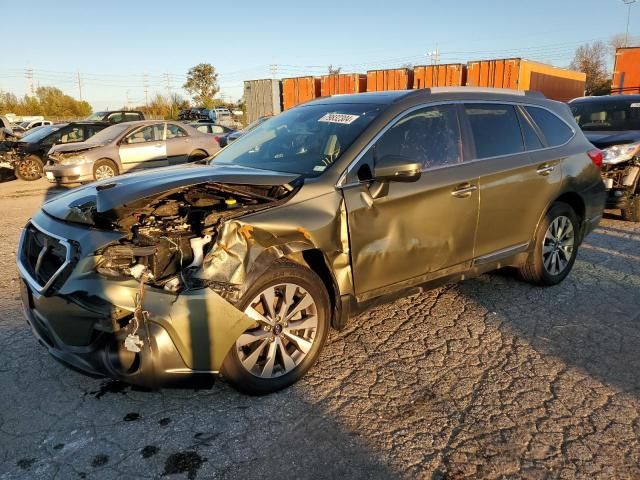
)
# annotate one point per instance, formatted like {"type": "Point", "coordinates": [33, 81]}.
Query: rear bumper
{"type": "Point", "coordinates": [62, 174]}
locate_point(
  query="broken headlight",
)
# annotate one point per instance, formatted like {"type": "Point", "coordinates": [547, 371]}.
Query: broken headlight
{"type": "Point", "coordinates": [620, 153]}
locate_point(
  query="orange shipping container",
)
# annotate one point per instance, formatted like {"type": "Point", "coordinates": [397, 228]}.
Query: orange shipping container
{"type": "Point", "coordinates": [298, 90]}
{"type": "Point", "coordinates": [626, 72]}
{"type": "Point", "coordinates": [451, 75]}
{"type": "Point", "coordinates": [395, 79]}
{"type": "Point", "coordinates": [343, 83]}
{"type": "Point", "coordinates": [520, 74]}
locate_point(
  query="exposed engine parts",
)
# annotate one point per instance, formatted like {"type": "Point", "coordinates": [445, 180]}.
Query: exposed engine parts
{"type": "Point", "coordinates": [168, 237]}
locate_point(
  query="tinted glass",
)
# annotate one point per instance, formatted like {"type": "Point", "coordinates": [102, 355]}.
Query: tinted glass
{"type": "Point", "coordinates": [531, 139]}
{"type": "Point", "coordinates": [91, 130]}
{"type": "Point", "coordinates": [203, 128]}
{"type": "Point", "coordinates": [74, 134]}
{"type": "Point", "coordinates": [555, 130]}
{"type": "Point", "coordinates": [116, 118]}
{"type": "Point", "coordinates": [430, 136]}
{"type": "Point", "coordinates": [174, 131]}
{"type": "Point", "coordinates": [109, 134]}
{"type": "Point", "coordinates": [495, 129]}
{"type": "Point", "coordinates": [306, 140]}
{"type": "Point", "coordinates": [38, 135]}
{"type": "Point", "coordinates": [131, 117]}
{"type": "Point", "coordinates": [217, 129]}
{"type": "Point", "coordinates": [613, 115]}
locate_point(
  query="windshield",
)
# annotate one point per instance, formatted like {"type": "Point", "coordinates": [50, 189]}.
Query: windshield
{"type": "Point", "coordinates": [306, 140]}
{"type": "Point", "coordinates": [98, 116]}
{"type": "Point", "coordinates": [610, 116]}
{"type": "Point", "coordinates": [37, 135]}
{"type": "Point", "coordinates": [109, 134]}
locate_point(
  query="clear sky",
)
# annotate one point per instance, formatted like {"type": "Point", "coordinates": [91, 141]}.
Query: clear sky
{"type": "Point", "coordinates": [118, 46]}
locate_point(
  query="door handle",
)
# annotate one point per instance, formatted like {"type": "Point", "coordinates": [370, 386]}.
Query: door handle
{"type": "Point", "coordinates": [545, 169]}
{"type": "Point", "coordinates": [464, 190]}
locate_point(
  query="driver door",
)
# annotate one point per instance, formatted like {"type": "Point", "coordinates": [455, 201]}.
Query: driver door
{"type": "Point", "coordinates": [145, 147]}
{"type": "Point", "coordinates": [413, 231]}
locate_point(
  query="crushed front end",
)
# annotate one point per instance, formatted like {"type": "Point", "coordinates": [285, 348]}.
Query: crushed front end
{"type": "Point", "coordinates": [129, 293]}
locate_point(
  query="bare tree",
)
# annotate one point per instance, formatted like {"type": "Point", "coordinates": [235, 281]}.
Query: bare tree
{"type": "Point", "coordinates": [334, 70]}
{"type": "Point", "coordinates": [592, 60]}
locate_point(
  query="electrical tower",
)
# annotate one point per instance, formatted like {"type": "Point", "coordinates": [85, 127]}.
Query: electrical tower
{"type": "Point", "coordinates": [28, 73]}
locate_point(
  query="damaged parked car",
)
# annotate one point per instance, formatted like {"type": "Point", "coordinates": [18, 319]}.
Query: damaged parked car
{"type": "Point", "coordinates": [127, 147]}
{"type": "Point", "coordinates": [612, 123]}
{"type": "Point", "coordinates": [242, 266]}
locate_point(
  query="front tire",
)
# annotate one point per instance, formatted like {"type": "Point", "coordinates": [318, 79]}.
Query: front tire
{"type": "Point", "coordinates": [104, 169]}
{"type": "Point", "coordinates": [292, 312]}
{"type": "Point", "coordinates": [556, 245]}
{"type": "Point", "coordinates": [29, 168]}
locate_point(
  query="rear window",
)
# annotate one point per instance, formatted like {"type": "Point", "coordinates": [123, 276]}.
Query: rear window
{"type": "Point", "coordinates": [607, 115]}
{"type": "Point", "coordinates": [495, 129]}
{"type": "Point", "coordinates": [555, 130]}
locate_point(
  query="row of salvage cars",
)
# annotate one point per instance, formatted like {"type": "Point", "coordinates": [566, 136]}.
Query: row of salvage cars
{"type": "Point", "coordinates": [242, 265]}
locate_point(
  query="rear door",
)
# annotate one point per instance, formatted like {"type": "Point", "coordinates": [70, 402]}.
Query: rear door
{"type": "Point", "coordinates": [519, 178]}
{"type": "Point", "coordinates": [179, 144]}
{"type": "Point", "coordinates": [418, 230]}
{"type": "Point", "coordinates": [144, 148]}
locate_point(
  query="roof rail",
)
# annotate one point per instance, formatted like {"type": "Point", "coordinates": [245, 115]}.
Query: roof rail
{"type": "Point", "coordinates": [507, 91]}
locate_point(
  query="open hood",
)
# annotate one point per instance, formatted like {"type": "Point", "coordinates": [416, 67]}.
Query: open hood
{"type": "Point", "coordinates": [80, 204]}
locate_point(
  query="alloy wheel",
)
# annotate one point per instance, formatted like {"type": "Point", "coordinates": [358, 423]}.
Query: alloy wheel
{"type": "Point", "coordinates": [29, 169]}
{"type": "Point", "coordinates": [558, 244]}
{"type": "Point", "coordinates": [104, 171]}
{"type": "Point", "coordinates": [286, 323]}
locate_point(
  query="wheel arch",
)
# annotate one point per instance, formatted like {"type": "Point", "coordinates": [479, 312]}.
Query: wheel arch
{"type": "Point", "coordinates": [575, 201]}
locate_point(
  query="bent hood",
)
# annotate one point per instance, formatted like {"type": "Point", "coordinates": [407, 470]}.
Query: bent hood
{"type": "Point", "coordinates": [609, 139]}
{"type": "Point", "coordinates": [79, 204]}
{"type": "Point", "coordinates": [73, 147]}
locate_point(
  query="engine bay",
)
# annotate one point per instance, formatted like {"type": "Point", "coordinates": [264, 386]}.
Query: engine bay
{"type": "Point", "coordinates": [168, 237]}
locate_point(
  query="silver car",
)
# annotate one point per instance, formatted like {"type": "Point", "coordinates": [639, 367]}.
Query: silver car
{"type": "Point", "coordinates": [125, 147]}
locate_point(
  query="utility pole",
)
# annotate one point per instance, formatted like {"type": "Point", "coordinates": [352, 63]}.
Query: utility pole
{"type": "Point", "coordinates": [628, 3]}
{"type": "Point", "coordinates": [80, 86]}
{"type": "Point", "coordinates": [274, 70]}
{"type": "Point", "coordinates": [128, 101]}
{"type": "Point", "coordinates": [434, 56]}
{"type": "Point", "coordinates": [146, 89]}
{"type": "Point", "coordinates": [167, 77]}
{"type": "Point", "coordinates": [28, 72]}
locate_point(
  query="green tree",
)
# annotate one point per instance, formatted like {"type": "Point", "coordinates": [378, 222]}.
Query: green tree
{"type": "Point", "coordinates": [591, 59]}
{"type": "Point", "coordinates": [202, 84]}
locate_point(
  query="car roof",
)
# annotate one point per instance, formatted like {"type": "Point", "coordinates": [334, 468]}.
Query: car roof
{"type": "Point", "coordinates": [607, 98]}
{"type": "Point", "coordinates": [439, 93]}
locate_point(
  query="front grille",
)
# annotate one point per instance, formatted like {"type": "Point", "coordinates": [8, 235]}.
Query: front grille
{"type": "Point", "coordinates": [44, 259]}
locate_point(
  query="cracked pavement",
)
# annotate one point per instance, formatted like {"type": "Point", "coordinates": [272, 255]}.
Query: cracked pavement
{"type": "Point", "coordinates": [489, 378]}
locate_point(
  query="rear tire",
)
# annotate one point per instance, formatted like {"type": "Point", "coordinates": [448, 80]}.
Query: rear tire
{"type": "Point", "coordinates": [632, 214]}
{"type": "Point", "coordinates": [104, 168]}
{"type": "Point", "coordinates": [555, 247]}
{"type": "Point", "coordinates": [247, 366]}
{"type": "Point", "coordinates": [29, 168]}
{"type": "Point", "coordinates": [196, 156]}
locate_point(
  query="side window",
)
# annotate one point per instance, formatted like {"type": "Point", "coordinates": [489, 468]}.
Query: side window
{"type": "Point", "coordinates": [131, 117]}
{"type": "Point", "coordinates": [174, 131]}
{"type": "Point", "coordinates": [116, 118]}
{"type": "Point", "coordinates": [555, 130]}
{"type": "Point", "coordinates": [531, 139]}
{"type": "Point", "coordinates": [75, 134]}
{"type": "Point", "coordinates": [430, 136]}
{"type": "Point", "coordinates": [217, 129]}
{"type": "Point", "coordinates": [37, 124]}
{"type": "Point", "coordinates": [495, 129]}
{"type": "Point", "coordinates": [150, 133]}
{"type": "Point", "coordinates": [203, 128]}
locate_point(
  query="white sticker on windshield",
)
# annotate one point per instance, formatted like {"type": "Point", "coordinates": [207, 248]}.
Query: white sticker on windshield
{"type": "Point", "coordinates": [319, 168]}
{"type": "Point", "coordinates": [635, 105]}
{"type": "Point", "coordinates": [343, 118]}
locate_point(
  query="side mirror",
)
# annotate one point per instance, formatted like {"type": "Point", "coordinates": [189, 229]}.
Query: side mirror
{"type": "Point", "coordinates": [396, 168]}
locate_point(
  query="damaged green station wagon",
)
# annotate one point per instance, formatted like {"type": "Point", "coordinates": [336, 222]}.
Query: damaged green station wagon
{"type": "Point", "coordinates": [242, 266]}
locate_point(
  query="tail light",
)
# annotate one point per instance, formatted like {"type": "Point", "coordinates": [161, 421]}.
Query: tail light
{"type": "Point", "coordinates": [596, 157]}
{"type": "Point", "coordinates": [217, 139]}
